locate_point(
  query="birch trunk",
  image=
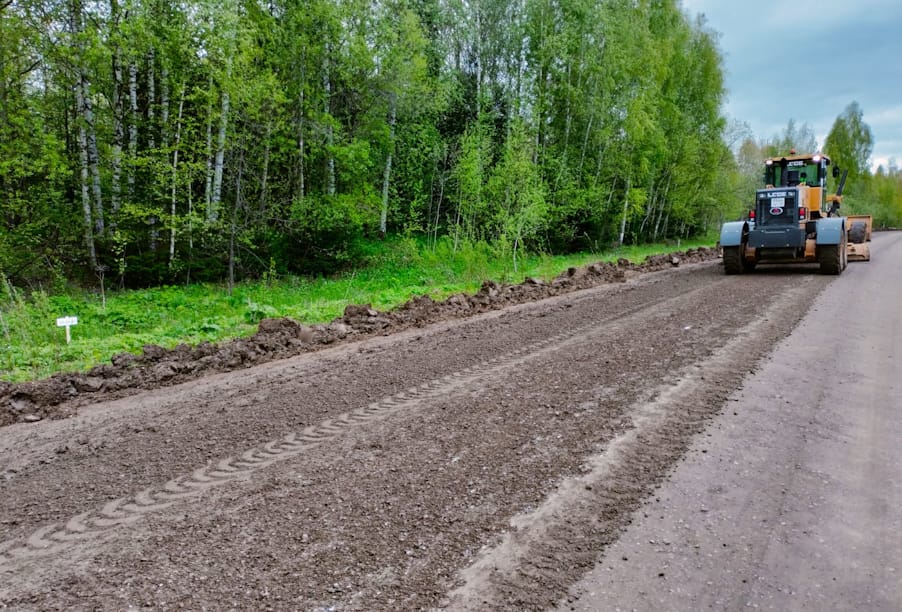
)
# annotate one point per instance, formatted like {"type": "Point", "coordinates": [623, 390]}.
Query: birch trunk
{"type": "Point", "coordinates": [568, 121]}
{"type": "Point", "coordinates": [85, 190]}
{"type": "Point", "coordinates": [132, 126]}
{"type": "Point", "coordinates": [301, 144]}
{"type": "Point", "coordinates": [87, 138]}
{"type": "Point", "coordinates": [118, 123]}
{"type": "Point", "coordinates": [208, 170]}
{"type": "Point", "coordinates": [649, 208]}
{"type": "Point", "coordinates": [585, 147]}
{"type": "Point", "coordinates": [438, 204]}
{"type": "Point", "coordinates": [386, 177]}
{"type": "Point", "coordinates": [216, 198]}
{"type": "Point", "coordinates": [175, 165]}
{"type": "Point", "coordinates": [661, 208]}
{"type": "Point", "coordinates": [626, 202]}
{"type": "Point", "coordinates": [151, 140]}
{"type": "Point", "coordinates": [190, 223]}
{"type": "Point", "coordinates": [93, 156]}
{"type": "Point", "coordinates": [164, 104]}
{"type": "Point", "coordinates": [330, 135]}
{"type": "Point", "coordinates": [151, 100]}
{"type": "Point", "coordinates": [478, 63]}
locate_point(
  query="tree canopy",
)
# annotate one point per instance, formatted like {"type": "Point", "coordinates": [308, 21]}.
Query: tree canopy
{"type": "Point", "coordinates": [158, 142]}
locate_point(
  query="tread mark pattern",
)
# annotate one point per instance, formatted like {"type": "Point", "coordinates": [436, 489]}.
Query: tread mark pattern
{"type": "Point", "coordinates": [126, 510]}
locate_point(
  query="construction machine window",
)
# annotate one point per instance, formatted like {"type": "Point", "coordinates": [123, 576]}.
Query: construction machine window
{"type": "Point", "coordinates": [790, 174]}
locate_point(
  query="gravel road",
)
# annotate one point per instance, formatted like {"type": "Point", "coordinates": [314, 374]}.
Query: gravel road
{"type": "Point", "coordinates": [792, 499]}
{"type": "Point", "coordinates": [493, 462]}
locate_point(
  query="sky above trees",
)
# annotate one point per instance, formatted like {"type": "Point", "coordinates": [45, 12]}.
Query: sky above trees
{"type": "Point", "coordinates": [808, 62]}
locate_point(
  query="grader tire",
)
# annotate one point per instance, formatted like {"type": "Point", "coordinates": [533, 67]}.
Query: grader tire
{"type": "Point", "coordinates": [732, 260]}
{"type": "Point", "coordinates": [858, 233]}
{"type": "Point", "coordinates": [830, 258]}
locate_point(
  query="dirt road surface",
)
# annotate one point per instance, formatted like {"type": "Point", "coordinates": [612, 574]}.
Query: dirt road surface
{"type": "Point", "coordinates": [506, 461]}
{"type": "Point", "coordinates": [792, 499]}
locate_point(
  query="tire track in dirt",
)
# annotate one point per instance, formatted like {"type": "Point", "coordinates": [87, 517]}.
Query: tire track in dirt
{"type": "Point", "coordinates": [384, 514]}
{"type": "Point", "coordinates": [518, 572]}
{"type": "Point", "coordinates": [55, 537]}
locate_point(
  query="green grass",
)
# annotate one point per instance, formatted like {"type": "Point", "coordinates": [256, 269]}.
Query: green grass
{"type": "Point", "coordinates": [32, 347]}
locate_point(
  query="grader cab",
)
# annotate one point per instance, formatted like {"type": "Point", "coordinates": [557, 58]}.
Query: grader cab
{"type": "Point", "coordinates": [795, 221]}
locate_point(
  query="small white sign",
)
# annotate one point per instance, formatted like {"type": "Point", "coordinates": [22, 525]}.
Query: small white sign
{"type": "Point", "coordinates": [67, 322]}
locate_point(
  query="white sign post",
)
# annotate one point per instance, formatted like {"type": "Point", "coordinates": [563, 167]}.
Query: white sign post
{"type": "Point", "coordinates": [67, 322]}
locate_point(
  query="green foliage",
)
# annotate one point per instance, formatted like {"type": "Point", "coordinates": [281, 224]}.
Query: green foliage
{"type": "Point", "coordinates": [850, 142]}
{"type": "Point", "coordinates": [470, 176]}
{"type": "Point", "coordinates": [247, 140]}
{"type": "Point", "coordinates": [389, 274]}
{"type": "Point", "coordinates": [257, 312]}
{"type": "Point", "coordinates": [518, 189]}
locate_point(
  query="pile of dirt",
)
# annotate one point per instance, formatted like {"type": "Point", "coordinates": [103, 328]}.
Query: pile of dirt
{"type": "Point", "coordinates": [126, 374]}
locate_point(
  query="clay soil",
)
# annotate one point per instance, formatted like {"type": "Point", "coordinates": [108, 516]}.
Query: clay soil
{"type": "Point", "coordinates": [478, 453]}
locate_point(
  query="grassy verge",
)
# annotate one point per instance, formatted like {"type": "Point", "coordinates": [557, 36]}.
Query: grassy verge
{"type": "Point", "coordinates": [32, 347]}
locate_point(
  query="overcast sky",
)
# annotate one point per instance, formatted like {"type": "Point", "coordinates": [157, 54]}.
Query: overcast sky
{"type": "Point", "coordinates": [808, 60]}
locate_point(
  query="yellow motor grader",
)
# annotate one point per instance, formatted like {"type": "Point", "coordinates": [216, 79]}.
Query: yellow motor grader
{"type": "Point", "coordinates": [795, 221]}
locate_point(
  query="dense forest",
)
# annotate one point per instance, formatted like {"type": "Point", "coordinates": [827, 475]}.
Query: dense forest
{"type": "Point", "coordinates": [157, 142]}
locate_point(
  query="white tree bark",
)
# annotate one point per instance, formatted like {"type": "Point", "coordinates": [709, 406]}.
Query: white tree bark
{"type": "Point", "coordinates": [118, 124]}
{"type": "Point", "coordinates": [208, 170]}
{"type": "Point", "coordinates": [151, 136]}
{"type": "Point", "coordinates": [85, 190]}
{"type": "Point", "coordinates": [175, 165]}
{"type": "Point", "coordinates": [626, 202]}
{"type": "Point", "coordinates": [330, 135]}
{"type": "Point", "coordinates": [164, 104]}
{"type": "Point", "coordinates": [132, 126]}
{"type": "Point", "coordinates": [301, 144]}
{"type": "Point", "coordinates": [151, 99]}
{"type": "Point", "coordinates": [93, 156]}
{"type": "Point", "coordinates": [216, 197]}
{"type": "Point", "coordinates": [386, 177]}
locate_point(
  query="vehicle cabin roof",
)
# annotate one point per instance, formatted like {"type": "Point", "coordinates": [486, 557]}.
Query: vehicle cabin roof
{"type": "Point", "coordinates": [807, 157]}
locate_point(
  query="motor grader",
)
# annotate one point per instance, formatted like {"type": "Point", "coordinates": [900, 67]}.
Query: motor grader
{"type": "Point", "coordinates": [795, 221]}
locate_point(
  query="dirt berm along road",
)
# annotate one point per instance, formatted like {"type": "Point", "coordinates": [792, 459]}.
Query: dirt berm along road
{"type": "Point", "coordinates": [681, 440]}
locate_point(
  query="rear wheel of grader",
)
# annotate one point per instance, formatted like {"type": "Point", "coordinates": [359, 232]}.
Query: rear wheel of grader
{"type": "Point", "coordinates": [832, 257]}
{"type": "Point", "coordinates": [732, 260]}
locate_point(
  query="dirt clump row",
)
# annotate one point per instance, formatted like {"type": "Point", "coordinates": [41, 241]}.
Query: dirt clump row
{"type": "Point", "coordinates": [127, 373]}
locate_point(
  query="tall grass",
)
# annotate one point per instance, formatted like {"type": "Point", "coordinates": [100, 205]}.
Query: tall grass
{"type": "Point", "coordinates": [392, 272]}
